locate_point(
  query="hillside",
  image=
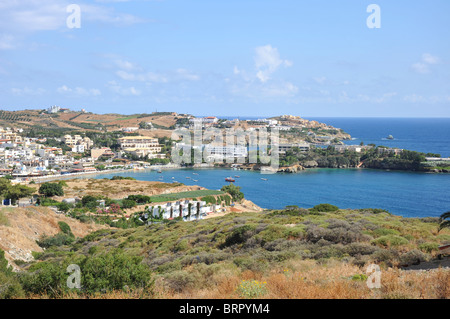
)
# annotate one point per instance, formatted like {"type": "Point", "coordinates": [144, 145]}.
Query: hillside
{"type": "Point", "coordinates": [294, 253]}
{"type": "Point", "coordinates": [21, 227]}
{"type": "Point", "coordinates": [85, 121]}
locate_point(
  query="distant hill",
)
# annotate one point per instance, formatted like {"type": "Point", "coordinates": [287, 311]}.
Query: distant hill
{"type": "Point", "coordinates": [86, 121]}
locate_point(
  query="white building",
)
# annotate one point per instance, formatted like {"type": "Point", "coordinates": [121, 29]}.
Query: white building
{"type": "Point", "coordinates": [223, 152]}
{"type": "Point", "coordinates": [283, 148]}
{"type": "Point", "coordinates": [53, 109]}
{"type": "Point", "coordinates": [187, 209]}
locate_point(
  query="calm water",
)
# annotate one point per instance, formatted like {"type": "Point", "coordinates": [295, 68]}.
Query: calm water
{"type": "Point", "coordinates": [402, 193]}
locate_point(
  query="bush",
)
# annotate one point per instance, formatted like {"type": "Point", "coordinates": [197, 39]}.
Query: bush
{"type": "Point", "coordinates": [57, 240]}
{"type": "Point", "coordinates": [45, 278]}
{"type": "Point", "coordinates": [180, 280]}
{"type": "Point", "coordinates": [390, 240]}
{"type": "Point", "coordinates": [252, 289]}
{"type": "Point", "coordinates": [429, 247]}
{"type": "Point", "coordinates": [385, 232]}
{"type": "Point", "coordinates": [113, 271]}
{"type": "Point", "coordinates": [10, 287]}
{"type": "Point", "coordinates": [140, 199]}
{"type": "Point", "coordinates": [128, 203]}
{"type": "Point", "coordinates": [65, 228]}
{"type": "Point", "coordinates": [324, 208]}
{"type": "Point", "coordinates": [413, 257]}
{"type": "Point", "coordinates": [387, 256]}
{"type": "Point", "coordinates": [239, 235]}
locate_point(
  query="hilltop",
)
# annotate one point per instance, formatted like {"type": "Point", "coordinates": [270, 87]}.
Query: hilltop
{"type": "Point", "coordinates": [71, 120]}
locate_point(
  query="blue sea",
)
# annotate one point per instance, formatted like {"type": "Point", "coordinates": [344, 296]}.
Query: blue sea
{"type": "Point", "coordinates": [407, 194]}
{"type": "Point", "coordinates": [427, 135]}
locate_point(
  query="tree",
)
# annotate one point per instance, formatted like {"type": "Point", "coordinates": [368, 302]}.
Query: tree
{"type": "Point", "coordinates": [18, 191]}
{"type": "Point", "coordinates": [444, 221]}
{"type": "Point", "coordinates": [51, 189]}
{"type": "Point", "coordinates": [234, 191]}
{"type": "Point", "coordinates": [4, 185]}
{"type": "Point", "coordinates": [128, 203]}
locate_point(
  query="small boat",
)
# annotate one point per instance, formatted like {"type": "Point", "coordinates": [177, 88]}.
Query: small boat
{"type": "Point", "coordinates": [229, 179]}
{"type": "Point", "coordinates": [264, 179]}
{"type": "Point", "coordinates": [188, 177]}
{"type": "Point", "coordinates": [195, 180]}
{"type": "Point", "coordinates": [194, 173]}
{"type": "Point", "coordinates": [160, 171]}
{"type": "Point", "coordinates": [390, 137]}
{"type": "Point", "coordinates": [237, 176]}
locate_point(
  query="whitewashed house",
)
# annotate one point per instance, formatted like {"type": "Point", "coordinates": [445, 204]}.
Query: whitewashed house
{"type": "Point", "coordinates": [187, 209]}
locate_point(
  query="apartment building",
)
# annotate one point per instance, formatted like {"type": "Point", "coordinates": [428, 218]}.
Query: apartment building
{"type": "Point", "coordinates": [143, 146]}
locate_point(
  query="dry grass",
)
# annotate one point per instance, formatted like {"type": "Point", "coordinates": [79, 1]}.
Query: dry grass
{"type": "Point", "coordinates": [307, 280]}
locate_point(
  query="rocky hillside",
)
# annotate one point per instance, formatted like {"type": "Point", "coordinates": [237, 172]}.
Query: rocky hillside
{"type": "Point", "coordinates": [21, 227]}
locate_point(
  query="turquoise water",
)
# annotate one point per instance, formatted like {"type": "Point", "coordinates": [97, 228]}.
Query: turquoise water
{"type": "Point", "coordinates": [402, 193]}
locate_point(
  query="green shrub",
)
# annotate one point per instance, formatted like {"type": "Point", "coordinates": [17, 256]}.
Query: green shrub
{"type": "Point", "coordinates": [359, 277]}
{"type": "Point", "coordinates": [324, 208]}
{"type": "Point", "coordinates": [65, 228]}
{"type": "Point", "coordinates": [429, 247]}
{"type": "Point", "coordinates": [413, 257]}
{"type": "Point", "coordinates": [59, 239]}
{"type": "Point", "coordinates": [113, 271]}
{"type": "Point", "coordinates": [239, 235]}
{"type": "Point", "coordinates": [10, 287]}
{"type": "Point", "coordinates": [385, 232]}
{"type": "Point", "coordinates": [252, 289]}
{"type": "Point", "coordinates": [390, 240]}
{"type": "Point", "coordinates": [128, 203]}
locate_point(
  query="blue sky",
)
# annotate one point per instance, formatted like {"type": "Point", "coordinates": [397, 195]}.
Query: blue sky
{"type": "Point", "coordinates": [246, 57]}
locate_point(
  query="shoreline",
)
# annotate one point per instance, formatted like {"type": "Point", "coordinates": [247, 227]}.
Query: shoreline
{"type": "Point", "coordinates": [281, 170]}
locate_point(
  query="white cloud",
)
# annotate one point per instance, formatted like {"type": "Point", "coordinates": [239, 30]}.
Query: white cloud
{"type": "Point", "coordinates": [184, 74]}
{"type": "Point", "coordinates": [320, 80]}
{"type": "Point", "coordinates": [127, 91]}
{"type": "Point", "coordinates": [430, 59]}
{"type": "Point", "coordinates": [129, 71]}
{"type": "Point", "coordinates": [27, 91]}
{"type": "Point", "coordinates": [78, 91]}
{"type": "Point", "coordinates": [267, 61]}
{"type": "Point", "coordinates": [6, 42]}
{"type": "Point", "coordinates": [423, 67]}
{"type": "Point", "coordinates": [142, 77]}
{"type": "Point", "coordinates": [35, 15]}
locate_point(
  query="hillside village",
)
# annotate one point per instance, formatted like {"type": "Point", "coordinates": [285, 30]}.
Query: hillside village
{"type": "Point", "coordinates": [58, 141]}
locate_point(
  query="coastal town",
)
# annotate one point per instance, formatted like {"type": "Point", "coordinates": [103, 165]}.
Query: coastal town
{"type": "Point", "coordinates": [27, 158]}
